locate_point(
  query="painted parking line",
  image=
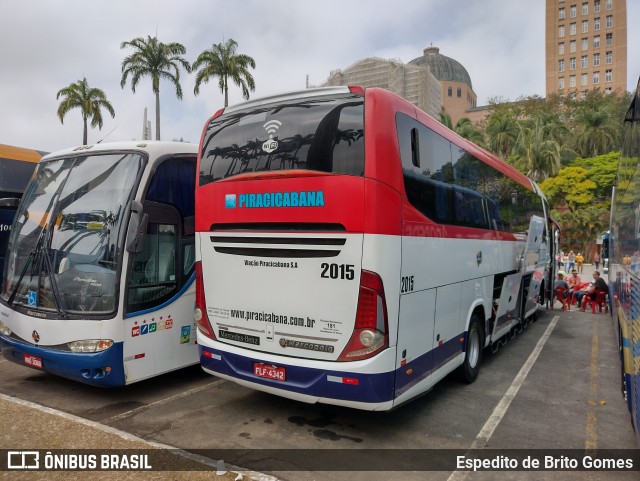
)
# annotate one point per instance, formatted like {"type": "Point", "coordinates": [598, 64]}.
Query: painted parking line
{"type": "Point", "coordinates": [591, 425]}
{"type": "Point", "coordinates": [501, 408]}
{"type": "Point", "coordinates": [135, 411]}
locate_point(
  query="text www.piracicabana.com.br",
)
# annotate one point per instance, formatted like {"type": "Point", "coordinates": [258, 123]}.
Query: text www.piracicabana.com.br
{"type": "Point", "coordinates": [272, 318]}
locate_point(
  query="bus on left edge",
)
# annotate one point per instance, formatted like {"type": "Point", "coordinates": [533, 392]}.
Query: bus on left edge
{"type": "Point", "coordinates": [16, 168]}
{"type": "Point", "coordinates": [99, 277]}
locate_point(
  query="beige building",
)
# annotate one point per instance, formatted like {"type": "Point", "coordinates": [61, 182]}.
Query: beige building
{"type": "Point", "coordinates": [456, 89]}
{"type": "Point", "coordinates": [431, 82]}
{"type": "Point", "coordinates": [414, 83]}
{"type": "Point", "coordinates": [586, 46]}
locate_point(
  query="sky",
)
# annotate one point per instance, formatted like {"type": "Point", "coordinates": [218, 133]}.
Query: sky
{"type": "Point", "coordinates": [45, 45]}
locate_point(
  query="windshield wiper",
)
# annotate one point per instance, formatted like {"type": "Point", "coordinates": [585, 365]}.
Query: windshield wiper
{"type": "Point", "coordinates": [41, 248]}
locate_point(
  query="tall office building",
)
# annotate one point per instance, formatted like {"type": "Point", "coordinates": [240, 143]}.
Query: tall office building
{"type": "Point", "coordinates": [586, 46]}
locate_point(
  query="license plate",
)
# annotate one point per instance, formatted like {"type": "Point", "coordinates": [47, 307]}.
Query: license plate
{"type": "Point", "coordinates": [33, 361]}
{"type": "Point", "coordinates": [269, 372]}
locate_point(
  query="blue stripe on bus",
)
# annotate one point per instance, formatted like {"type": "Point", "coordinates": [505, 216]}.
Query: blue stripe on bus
{"type": "Point", "coordinates": [89, 368]}
{"type": "Point", "coordinates": [166, 303]}
{"type": "Point", "coordinates": [425, 365]}
{"type": "Point", "coordinates": [371, 388]}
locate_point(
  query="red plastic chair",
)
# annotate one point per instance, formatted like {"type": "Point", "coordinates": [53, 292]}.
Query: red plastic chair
{"type": "Point", "coordinates": [577, 289]}
{"type": "Point", "coordinates": [600, 301]}
{"type": "Point", "coordinates": [562, 295]}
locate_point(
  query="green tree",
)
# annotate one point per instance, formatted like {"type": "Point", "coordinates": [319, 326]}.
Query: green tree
{"type": "Point", "coordinates": [445, 119]}
{"type": "Point", "coordinates": [465, 128]}
{"type": "Point", "coordinates": [570, 189]}
{"type": "Point", "coordinates": [222, 61]}
{"type": "Point", "coordinates": [537, 149]}
{"type": "Point", "coordinates": [502, 131]}
{"type": "Point", "coordinates": [602, 171]}
{"type": "Point", "coordinates": [90, 101]}
{"type": "Point", "coordinates": [157, 60]}
{"type": "Point", "coordinates": [598, 134]}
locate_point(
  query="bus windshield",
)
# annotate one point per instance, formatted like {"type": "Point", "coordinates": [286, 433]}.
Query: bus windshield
{"type": "Point", "coordinates": [66, 241]}
{"type": "Point", "coordinates": [323, 134]}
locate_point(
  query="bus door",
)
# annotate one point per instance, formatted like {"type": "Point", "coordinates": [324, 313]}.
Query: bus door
{"type": "Point", "coordinates": [535, 255]}
{"type": "Point", "coordinates": [507, 311]}
{"type": "Point", "coordinates": [160, 290]}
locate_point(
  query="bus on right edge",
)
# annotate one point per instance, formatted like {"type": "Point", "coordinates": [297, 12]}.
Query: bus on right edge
{"type": "Point", "coordinates": [624, 277]}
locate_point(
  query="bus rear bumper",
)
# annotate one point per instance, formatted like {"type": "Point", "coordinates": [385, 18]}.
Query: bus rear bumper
{"type": "Point", "coordinates": [373, 392]}
{"type": "Point", "coordinates": [103, 369]}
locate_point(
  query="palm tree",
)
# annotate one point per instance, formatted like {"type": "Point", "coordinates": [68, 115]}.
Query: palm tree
{"type": "Point", "coordinates": [502, 131]}
{"type": "Point", "coordinates": [465, 128]}
{"type": "Point", "coordinates": [222, 61]}
{"type": "Point", "coordinates": [598, 133]}
{"type": "Point", "coordinates": [445, 119]}
{"type": "Point", "coordinates": [90, 101]}
{"type": "Point", "coordinates": [539, 151]}
{"type": "Point", "coordinates": [156, 60]}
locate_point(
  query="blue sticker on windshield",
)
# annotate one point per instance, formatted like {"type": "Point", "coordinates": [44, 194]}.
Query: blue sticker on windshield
{"type": "Point", "coordinates": [33, 298]}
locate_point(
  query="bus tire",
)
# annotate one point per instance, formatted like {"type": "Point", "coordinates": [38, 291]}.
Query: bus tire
{"type": "Point", "coordinates": [470, 368]}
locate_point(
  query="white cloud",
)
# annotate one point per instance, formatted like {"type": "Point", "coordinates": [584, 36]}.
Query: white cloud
{"type": "Point", "coordinates": [44, 46]}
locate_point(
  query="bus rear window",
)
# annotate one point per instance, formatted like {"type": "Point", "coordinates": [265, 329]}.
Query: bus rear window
{"type": "Point", "coordinates": [324, 134]}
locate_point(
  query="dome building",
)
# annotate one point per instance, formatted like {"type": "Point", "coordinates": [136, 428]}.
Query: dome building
{"type": "Point", "coordinates": [414, 83]}
{"type": "Point", "coordinates": [432, 82]}
{"type": "Point", "coordinates": [456, 89]}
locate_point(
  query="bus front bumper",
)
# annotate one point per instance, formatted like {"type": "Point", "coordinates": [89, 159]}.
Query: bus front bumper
{"type": "Point", "coordinates": [104, 369]}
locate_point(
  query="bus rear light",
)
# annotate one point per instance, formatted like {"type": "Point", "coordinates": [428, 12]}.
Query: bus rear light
{"type": "Point", "coordinates": [200, 312]}
{"type": "Point", "coordinates": [370, 333]}
{"type": "Point", "coordinates": [356, 89]}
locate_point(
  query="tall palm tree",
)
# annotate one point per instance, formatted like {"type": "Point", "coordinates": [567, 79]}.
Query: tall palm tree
{"type": "Point", "coordinates": [222, 61]}
{"type": "Point", "coordinates": [90, 101]}
{"type": "Point", "coordinates": [157, 60]}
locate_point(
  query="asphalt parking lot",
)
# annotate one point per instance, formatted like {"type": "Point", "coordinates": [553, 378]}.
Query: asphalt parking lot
{"type": "Point", "coordinates": [554, 386]}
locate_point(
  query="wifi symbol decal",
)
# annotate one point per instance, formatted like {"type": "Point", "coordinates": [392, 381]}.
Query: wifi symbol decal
{"type": "Point", "coordinates": [272, 126]}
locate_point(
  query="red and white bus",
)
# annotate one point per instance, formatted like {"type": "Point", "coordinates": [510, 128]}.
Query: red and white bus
{"type": "Point", "coordinates": [352, 250]}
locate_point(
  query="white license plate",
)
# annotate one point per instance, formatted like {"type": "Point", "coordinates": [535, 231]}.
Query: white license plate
{"type": "Point", "coordinates": [33, 361]}
{"type": "Point", "coordinates": [269, 372]}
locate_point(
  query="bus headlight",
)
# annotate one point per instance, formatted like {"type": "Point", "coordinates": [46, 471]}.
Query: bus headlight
{"type": "Point", "coordinates": [90, 345]}
{"type": "Point", "coordinates": [197, 314]}
{"type": "Point", "coordinates": [4, 330]}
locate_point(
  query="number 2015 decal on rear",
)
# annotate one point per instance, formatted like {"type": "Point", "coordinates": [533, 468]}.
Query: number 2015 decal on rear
{"type": "Point", "coordinates": [406, 284]}
{"type": "Point", "coordinates": [337, 271]}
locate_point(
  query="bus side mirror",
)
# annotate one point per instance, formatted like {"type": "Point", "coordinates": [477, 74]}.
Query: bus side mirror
{"type": "Point", "coordinates": [137, 228]}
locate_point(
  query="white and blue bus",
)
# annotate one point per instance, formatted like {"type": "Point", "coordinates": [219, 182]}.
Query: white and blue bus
{"type": "Point", "coordinates": [354, 251]}
{"type": "Point", "coordinates": [99, 275]}
{"type": "Point", "coordinates": [623, 243]}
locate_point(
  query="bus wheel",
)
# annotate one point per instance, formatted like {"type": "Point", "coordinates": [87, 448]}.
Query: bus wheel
{"type": "Point", "coordinates": [470, 368]}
